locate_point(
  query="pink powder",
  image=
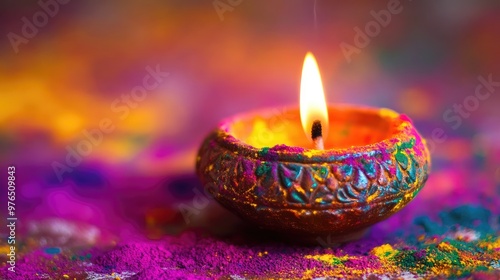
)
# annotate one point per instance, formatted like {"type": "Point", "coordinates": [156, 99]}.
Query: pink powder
{"type": "Point", "coordinates": [134, 257]}
{"type": "Point", "coordinates": [285, 148]}
{"type": "Point", "coordinates": [192, 256]}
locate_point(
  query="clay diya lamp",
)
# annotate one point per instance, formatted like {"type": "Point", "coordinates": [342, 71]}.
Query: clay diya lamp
{"type": "Point", "coordinates": [260, 166]}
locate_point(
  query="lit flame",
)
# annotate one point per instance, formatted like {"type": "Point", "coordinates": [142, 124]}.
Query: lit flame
{"type": "Point", "coordinates": [312, 97]}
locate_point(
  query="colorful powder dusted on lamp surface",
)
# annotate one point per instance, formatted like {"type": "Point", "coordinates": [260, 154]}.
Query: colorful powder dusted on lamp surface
{"type": "Point", "coordinates": [376, 168]}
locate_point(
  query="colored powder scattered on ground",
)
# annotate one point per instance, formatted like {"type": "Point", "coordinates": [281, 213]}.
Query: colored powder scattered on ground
{"type": "Point", "coordinates": [329, 259]}
{"type": "Point", "coordinates": [384, 252]}
{"type": "Point", "coordinates": [52, 251]}
{"type": "Point", "coordinates": [134, 257]}
{"type": "Point", "coordinates": [41, 265]}
{"type": "Point", "coordinates": [466, 216]}
{"type": "Point", "coordinates": [194, 255]}
{"type": "Point", "coordinates": [494, 244]}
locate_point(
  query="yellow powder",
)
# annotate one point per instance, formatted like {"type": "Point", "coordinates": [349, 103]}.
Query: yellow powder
{"type": "Point", "coordinates": [443, 246]}
{"type": "Point", "coordinates": [329, 258]}
{"type": "Point", "coordinates": [4, 250]}
{"type": "Point", "coordinates": [491, 245]}
{"type": "Point", "coordinates": [384, 251]}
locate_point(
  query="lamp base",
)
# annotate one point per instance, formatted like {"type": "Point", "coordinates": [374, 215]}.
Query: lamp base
{"type": "Point", "coordinates": [331, 240]}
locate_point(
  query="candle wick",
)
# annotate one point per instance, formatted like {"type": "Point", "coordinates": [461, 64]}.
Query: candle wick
{"type": "Point", "coordinates": [317, 135]}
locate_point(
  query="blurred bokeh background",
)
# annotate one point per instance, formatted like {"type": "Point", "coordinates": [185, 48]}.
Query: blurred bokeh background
{"type": "Point", "coordinates": [66, 67]}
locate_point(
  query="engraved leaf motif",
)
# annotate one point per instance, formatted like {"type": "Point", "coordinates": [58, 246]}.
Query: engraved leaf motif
{"type": "Point", "coordinates": [320, 173]}
{"type": "Point", "coordinates": [322, 196]}
{"type": "Point", "coordinates": [361, 182]}
{"type": "Point", "coordinates": [394, 187]}
{"type": "Point", "coordinates": [342, 196]}
{"type": "Point", "coordinates": [289, 174]}
{"type": "Point", "coordinates": [370, 168]}
{"type": "Point", "coordinates": [267, 185]}
{"type": "Point", "coordinates": [382, 179]}
{"type": "Point", "coordinates": [402, 160]}
{"type": "Point", "coordinates": [343, 173]}
{"type": "Point", "coordinates": [412, 172]}
{"type": "Point", "coordinates": [308, 183]}
{"type": "Point", "coordinates": [297, 194]}
{"type": "Point", "coordinates": [373, 189]}
{"type": "Point", "coordinates": [346, 194]}
{"type": "Point", "coordinates": [242, 176]}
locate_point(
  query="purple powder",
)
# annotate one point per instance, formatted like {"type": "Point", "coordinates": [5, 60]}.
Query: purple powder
{"type": "Point", "coordinates": [155, 272]}
{"type": "Point", "coordinates": [362, 263]}
{"type": "Point", "coordinates": [134, 257]}
{"type": "Point", "coordinates": [285, 148]}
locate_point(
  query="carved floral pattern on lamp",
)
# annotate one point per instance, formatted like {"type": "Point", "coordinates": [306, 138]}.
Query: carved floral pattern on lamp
{"type": "Point", "coordinates": [310, 192]}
